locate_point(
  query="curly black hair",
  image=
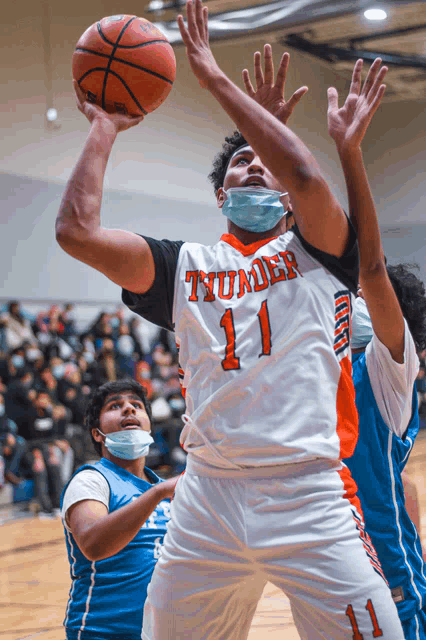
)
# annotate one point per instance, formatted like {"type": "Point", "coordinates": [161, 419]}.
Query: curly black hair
{"type": "Point", "coordinates": [411, 295]}
{"type": "Point", "coordinates": [220, 163]}
{"type": "Point", "coordinates": [97, 401]}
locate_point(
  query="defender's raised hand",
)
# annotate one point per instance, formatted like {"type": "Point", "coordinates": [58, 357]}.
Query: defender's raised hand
{"type": "Point", "coordinates": [119, 121]}
{"type": "Point", "coordinates": [347, 125]}
{"type": "Point", "coordinates": [196, 39]}
{"type": "Point", "coordinates": [269, 94]}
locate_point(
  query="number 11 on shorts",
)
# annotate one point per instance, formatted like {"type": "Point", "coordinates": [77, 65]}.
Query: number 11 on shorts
{"type": "Point", "coordinates": [377, 632]}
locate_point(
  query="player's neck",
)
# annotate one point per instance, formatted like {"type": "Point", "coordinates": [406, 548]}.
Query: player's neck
{"type": "Point", "coordinates": [249, 237]}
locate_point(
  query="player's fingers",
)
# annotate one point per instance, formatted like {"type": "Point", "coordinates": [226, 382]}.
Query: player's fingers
{"type": "Point", "coordinates": [282, 72]}
{"type": "Point", "coordinates": [206, 23]}
{"type": "Point", "coordinates": [356, 77]}
{"type": "Point", "coordinates": [258, 73]}
{"type": "Point", "coordinates": [333, 99]}
{"type": "Point", "coordinates": [247, 83]}
{"type": "Point", "coordinates": [191, 20]}
{"type": "Point", "coordinates": [296, 97]}
{"type": "Point", "coordinates": [183, 30]}
{"type": "Point", "coordinates": [79, 93]}
{"type": "Point", "coordinates": [199, 18]}
{"type": "Point", "coordinates": [137, 120]}
{"type": "Point", "coordinates": [269, 64]}
{"type": "Point", "coordinates": [378, 98]}
{"type": "Point", "coordinates": [371, 76]}
{"type": "Point", "coordinates": [377, 84]}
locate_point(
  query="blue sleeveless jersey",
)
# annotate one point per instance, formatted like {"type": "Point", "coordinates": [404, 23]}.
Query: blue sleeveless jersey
{"type": "Point", "coordinates": [107, 596]}
{"type": "Point", "coordinates": [376, 466]}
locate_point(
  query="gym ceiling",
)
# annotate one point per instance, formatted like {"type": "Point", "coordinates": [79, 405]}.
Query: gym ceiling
{"type": "Point", "coordinates": [334, 32]}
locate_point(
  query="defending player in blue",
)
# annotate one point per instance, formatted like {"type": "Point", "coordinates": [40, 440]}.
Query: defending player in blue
{"type": "Point", "coordinates": [388, 329]}
{"type": "Point", "coordinates": [115, 515]}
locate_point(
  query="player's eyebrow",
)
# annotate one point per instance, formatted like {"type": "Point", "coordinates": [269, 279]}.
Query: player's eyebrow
{"type": "Point", "coordinates": [119, 397]}
{"type": "Point", "coordinates": [242, 152]}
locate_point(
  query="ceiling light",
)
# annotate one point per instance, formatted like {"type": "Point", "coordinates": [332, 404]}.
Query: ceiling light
{"type": "Point", "coordinates": [375, 14]}
{"type": "Point", "coordinates": [51, 114]}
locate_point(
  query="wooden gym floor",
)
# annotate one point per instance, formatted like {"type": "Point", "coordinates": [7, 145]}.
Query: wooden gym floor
{"type": "Point", "coordinates": [34, 576]}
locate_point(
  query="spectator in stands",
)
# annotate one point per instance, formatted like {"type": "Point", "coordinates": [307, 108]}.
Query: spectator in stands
{"type": "Point", "coordinates": [125, 348]}
{"type": "Point", "coordinates": [73, 394]}
{"type": "Point", "coordinates": [100, 329]}
{"type": "Point", "coordinates": [17, 328]}
{"type": "Point", "coordinates": [42, 435]}
{"type": "Point", "coordinates": [66, 317]}
{"type": "Point", "coordinates": [107, 369]}
{"type": "Point", "coordinates": [134, 329]}
{"type": "Point", "coordinates": [19, 398]}
{"type": "Point", "coordinates": [13, 446]}
{"type": "Point", "coordinates": [47, 382]}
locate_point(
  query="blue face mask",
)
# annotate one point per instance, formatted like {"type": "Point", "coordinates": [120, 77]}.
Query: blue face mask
{"type": "Point", "coordinates": [362, 329]}
{"type": "Point", "coordinates": [58, 371]}
{"type": "Point", "coordinates": [253, 209]}
{"type": "Point", "coordinates": [2, 410]}
{"type": "Point", "coordinates": [128, 445]}
{"type": "Point", "coordinates": [17, 361]}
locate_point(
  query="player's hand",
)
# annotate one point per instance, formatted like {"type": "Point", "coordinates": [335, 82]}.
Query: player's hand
{"type": "Point", "coordinates": [168, 487]}
{"type": "Point", "coordinates": [196, 40]}
{"type": "Point", "coordinates": [269, 94]}
{"type": "Point", "coordinates": [347, 125]}
{"type": "Point", "coordinates": [119, 121]}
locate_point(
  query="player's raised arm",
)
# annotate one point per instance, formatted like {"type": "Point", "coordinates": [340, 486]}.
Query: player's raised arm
{"type": "Point", "coordinates": [347, 127]}
{"type": "Point", "coordinates": [319, 216]}
{"type": "Point", "coordinates": [124, 257]}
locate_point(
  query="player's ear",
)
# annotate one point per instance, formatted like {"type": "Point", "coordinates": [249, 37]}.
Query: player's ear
{"type": "Point", "coordinates": [96, 435]}
{"type": "Point", "coordinates": [220, 197]}
{"type": "Point", "coordinates": [289, 220]}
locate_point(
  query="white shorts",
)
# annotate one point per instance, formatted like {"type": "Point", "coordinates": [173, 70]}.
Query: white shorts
{"type": "Point", "coordinates": [231, 532]}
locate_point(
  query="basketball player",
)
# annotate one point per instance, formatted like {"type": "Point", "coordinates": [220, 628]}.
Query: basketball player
{"type": "Point", "coordinates": [388, 329]}
{"type": "Point", "coordinates": [115, 514]}
{"type": "Point", "coordinates": [262, 321]}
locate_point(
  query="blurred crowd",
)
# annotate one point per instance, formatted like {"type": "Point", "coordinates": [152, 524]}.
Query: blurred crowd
{"type": "Point", "coordinates": [48, 368]}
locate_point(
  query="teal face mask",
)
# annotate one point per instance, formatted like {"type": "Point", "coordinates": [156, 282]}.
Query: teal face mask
{"type": "Point", "coordinates": [253, 209]}
{"type": "Point", "coordinates": [362, 329]}
{"type": "Point", "coordinates": [128, 445]}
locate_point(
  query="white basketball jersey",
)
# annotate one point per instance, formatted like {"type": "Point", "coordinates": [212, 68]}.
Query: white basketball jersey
{"type": "Point", "coordinates": [263, 333]}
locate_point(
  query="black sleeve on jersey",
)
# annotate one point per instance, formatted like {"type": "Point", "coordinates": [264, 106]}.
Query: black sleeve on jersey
{"type": "Point", "coordinates": [345, 268]}
{"type": "Point", "coordinates": [156, 305]}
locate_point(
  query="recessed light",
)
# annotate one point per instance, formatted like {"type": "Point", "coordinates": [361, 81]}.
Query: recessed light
{"type": "Point", "coordinates": [375, 14]}
{"type": "Point", "coordinates": [51, 114]}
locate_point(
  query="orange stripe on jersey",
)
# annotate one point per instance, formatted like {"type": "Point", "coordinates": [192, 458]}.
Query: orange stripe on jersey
{"type": "Point", "coordinates": [341, 342]}
{"type": "Point", "coordinates": [347, 415]}
{"type": "Point", "coordinates": [340, 314]}
{"type": "Point", "coordinates": [245, 249]}
{"type": "Point", "coordinates": [350, 488]}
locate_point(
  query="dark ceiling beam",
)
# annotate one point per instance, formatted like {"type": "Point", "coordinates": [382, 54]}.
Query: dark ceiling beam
{"type": "Point", "coordinates": [387, 34]}
{"type": "Point", "coordinates": [334, 54]}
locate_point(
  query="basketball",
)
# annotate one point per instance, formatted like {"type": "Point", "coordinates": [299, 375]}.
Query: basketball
{"type": "Point", "coordinates": [124, 64]}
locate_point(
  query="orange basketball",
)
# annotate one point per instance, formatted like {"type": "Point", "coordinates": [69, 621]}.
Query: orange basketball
{"type": "Point", "coordinates": [124, 64]}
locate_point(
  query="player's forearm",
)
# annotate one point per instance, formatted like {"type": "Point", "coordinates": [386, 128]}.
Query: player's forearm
{"type": "Point", "coordinates": [363, 211]}
{"type": "Point", "coordinates": [278, 147]}
{"type": "Point", "coordinates": [79, 213]}
{"type": "Point", "coordinates": [112, 533]}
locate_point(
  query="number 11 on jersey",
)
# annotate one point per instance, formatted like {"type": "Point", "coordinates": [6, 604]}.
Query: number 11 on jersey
{"type": "Point", "coordinates": [231, 361]}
